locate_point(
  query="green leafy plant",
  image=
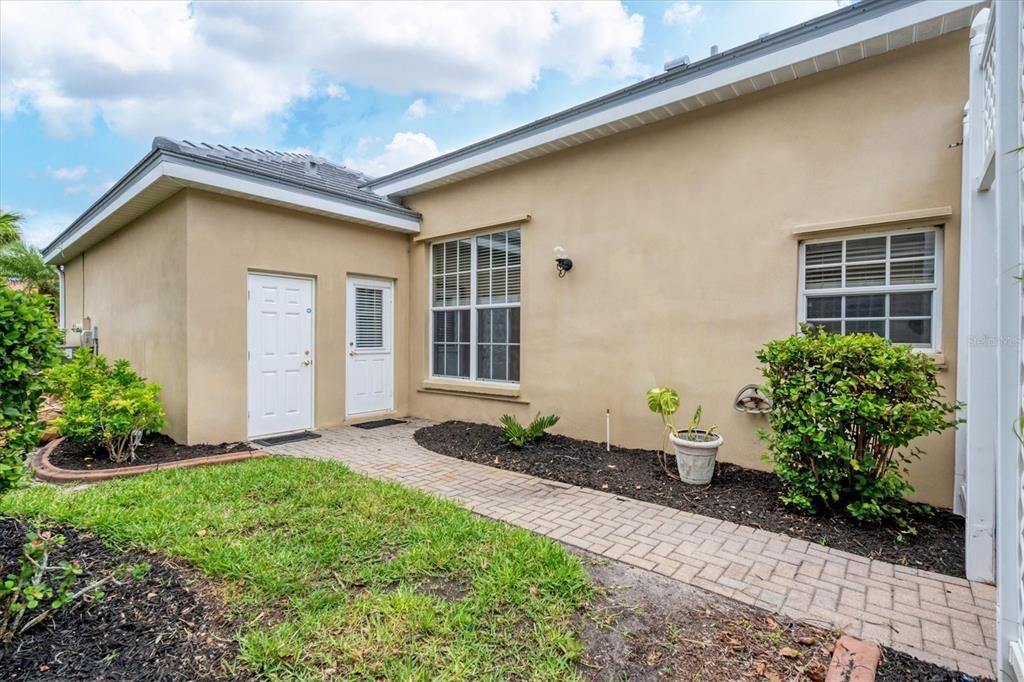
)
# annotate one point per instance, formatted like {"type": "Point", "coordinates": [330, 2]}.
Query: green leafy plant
{"type": "Point", "coordinates": [28, 346]}
{"type": "Point", "coordinates": [845, 412]}
{"type": "Point", "coordinates": [665, 403]}
{"type": "Point", "coordinates": [10, 230]}
{"type": "Point", "coordinates": [23, 262]}
{"type": "Point", "coordinates": [517, 435]}
{"type": "Point", "coordinates": [694, 432]}
{"type": "Point", "coordinates": [74, 380]}
{"type": "Point", "coordinates": [106, 404]}
{"type": "Point", "coordinates": [42, 586]}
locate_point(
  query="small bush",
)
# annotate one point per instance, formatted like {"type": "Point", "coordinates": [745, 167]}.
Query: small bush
{"type": "Point", "coordinates": [104, 404]}
{"type": "Point", "coordinates": [844, 411]}
{"type": "Point", "coordinates": [517, 435]}
{"type": "Point", "coordinates": [28, 346]}
{"type": "Point", "coordinates": [42, 586]}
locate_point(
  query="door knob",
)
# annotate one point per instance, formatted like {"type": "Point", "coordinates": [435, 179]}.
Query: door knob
{"type": "Point", "coordinates": [307, 362]}
{"type": "Point", "coordinates": [351, 353]}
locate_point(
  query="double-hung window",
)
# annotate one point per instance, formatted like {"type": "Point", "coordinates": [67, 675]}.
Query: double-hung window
{"type": "Point", "coordinates": [884, 284]}
{"type": "Point", "coordinates": [474, 302]}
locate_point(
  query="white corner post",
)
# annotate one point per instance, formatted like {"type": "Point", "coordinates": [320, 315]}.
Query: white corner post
{"type": "Point", "coordinates": [977, 332]}
{"type": "Point", "coordinates": [1007, 83]}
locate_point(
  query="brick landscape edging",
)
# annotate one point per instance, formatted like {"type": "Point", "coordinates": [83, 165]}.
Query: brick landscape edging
{"type": "Point", "coordinates": [46, 471]}
{"type": "Point", "coordinates": [853, 660]}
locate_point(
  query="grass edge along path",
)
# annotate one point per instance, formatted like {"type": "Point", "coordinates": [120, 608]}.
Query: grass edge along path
{"type": "Point", "coordinates": [335, 575]}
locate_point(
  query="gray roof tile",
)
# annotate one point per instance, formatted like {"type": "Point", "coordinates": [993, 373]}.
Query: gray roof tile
{"type": "Point", "coordinates": [305, 170]}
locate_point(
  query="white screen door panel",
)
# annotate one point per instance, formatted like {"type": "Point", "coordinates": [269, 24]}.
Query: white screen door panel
{"type": "Point", "coordinates": [280, 354]}
{"type": "Point", "coordinates": [369, 376]}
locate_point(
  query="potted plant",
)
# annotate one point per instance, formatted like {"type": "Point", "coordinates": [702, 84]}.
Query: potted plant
{"type": "Point", "coordinates": [696, 449]}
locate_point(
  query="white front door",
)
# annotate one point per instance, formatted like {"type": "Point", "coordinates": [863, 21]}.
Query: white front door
{"type": "Point", "coordinates": [280, 354]}
{"type": "Point", "coordinates": [369, 375]}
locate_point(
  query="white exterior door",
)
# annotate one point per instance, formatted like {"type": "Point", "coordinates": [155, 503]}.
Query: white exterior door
{"type": "Point", "coordinates": [280, 354]}
{"type": "Point", "coordinates": [369, 376]}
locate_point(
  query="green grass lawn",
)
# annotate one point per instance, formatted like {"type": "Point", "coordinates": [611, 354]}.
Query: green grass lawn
{"type": "Point", "coordinates": [337, 575]}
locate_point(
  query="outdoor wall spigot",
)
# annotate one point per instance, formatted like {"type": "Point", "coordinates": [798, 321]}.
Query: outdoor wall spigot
{"type": "Point", "coordinates": [562, 262]}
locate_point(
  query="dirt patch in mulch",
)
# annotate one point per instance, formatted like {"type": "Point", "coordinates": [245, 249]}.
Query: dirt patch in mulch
{"type": "Point", "coordinates": [897, 666]}
{"type": "Point", "coordinates": [644, 626]}
{"type": "Point", "coordinates": [166, 626]}
{"type": "Point", "coordinates": [736, 494]}
{"type": "Point", "coordinates": [155, 448]}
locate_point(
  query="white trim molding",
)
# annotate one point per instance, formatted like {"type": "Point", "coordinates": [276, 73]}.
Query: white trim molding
{"type": "Point", "coordinates": [161, 174]}
{"type": "Point", "coordinates": [791, 54]}
{"type": "Point", "coordinates": [845, 290]}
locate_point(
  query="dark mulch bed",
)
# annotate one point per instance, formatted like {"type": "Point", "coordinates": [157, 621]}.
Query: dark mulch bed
{"type": "Point", "coordinates": [155, 448]}
{"type": "Point", "coordinates": [165, 626]}
{"type": "Point", "coordinates": [743, 496]}
{"type": "Point", "coordinates": [899, 667]}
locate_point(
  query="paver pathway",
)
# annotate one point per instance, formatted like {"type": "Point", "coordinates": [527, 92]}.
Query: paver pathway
{"type": "Point", "coordinates": [938, 618]}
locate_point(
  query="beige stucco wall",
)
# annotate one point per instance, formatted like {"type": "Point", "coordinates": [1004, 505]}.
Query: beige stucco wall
{"type": "Point", "coordinates": [681, 235]}
{"type": "Point", "coordinates": [227, 238]}
{"type": "Point", "coordinates": [132, 286]}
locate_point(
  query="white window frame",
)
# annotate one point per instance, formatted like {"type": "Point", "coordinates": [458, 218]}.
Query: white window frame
{"type": "Point", "coordinates": [473, 307]}
{"type": "Point", "coordinates": [935, 288]}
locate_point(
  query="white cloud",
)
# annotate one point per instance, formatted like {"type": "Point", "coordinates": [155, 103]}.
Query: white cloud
{"type": "Point", "coordinates": [405, 149]}
{"type": "Point", "coordinates": [336, 91]}
{"type": "Point", "coordinates": [68, 174]}
{"type": "Point", "coordinates": [418, 109]}
{"type": "Point", "coordinates": [682, 14]}
{"type": "Point", "coordinates": [76, 182]}
{"type": "Point", "coordinates": [180, 68]}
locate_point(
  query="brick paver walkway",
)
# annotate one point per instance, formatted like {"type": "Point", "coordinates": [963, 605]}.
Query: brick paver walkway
{"type": "Point", "coordinates": [938, 618]}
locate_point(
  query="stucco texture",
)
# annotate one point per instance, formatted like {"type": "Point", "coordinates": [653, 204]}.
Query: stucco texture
{"type": "Point", "coordinates": [685, 261]}
{"type": "Point", "coordinates": [132, 287]}
{"type": "Point", "coordinates": [681, 232]}
{"type": "Point", "coordinates": [227, 238]}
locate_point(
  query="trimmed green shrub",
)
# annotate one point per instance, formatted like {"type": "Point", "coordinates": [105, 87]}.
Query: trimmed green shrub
{"type": "Point", "coordinates": [28, 346]}
{"type": "Point", "coordinates": [845, 410]}
{"type": "Point", "coordinates": [517, 435]}
{"type": "Point", "coordinates": [108, 405]}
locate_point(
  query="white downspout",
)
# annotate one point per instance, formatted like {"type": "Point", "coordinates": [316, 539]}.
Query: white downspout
{"type": "Point", "coordinates": [61, 301]}
{"type": "Point", "coordinates": [963, 366]}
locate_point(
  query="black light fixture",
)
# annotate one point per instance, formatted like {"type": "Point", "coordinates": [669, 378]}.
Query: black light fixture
{"type": "Point", "coordinates": [562, 262]}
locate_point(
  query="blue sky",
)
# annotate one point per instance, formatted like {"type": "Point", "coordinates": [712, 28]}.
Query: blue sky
{"type": "Point", "coordinates": [85, 87]}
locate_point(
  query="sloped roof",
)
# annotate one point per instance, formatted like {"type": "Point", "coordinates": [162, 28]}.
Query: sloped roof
{"type": "Point", "coordinates": [861, 30]}
{"type": "Point", "coordinates": [306, 170]}
{"type": "Point", "coordinates": [300, 181]}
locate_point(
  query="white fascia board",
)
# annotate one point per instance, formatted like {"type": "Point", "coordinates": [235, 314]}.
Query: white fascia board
{"type": "Point", "coordinates": [787, 56]}
{"type": "Point", "coordinates": [129, 192]}
{"type": "Point", "coordinates": [196, 175]}
{"type": "Point", "coordinates": [199, 175]}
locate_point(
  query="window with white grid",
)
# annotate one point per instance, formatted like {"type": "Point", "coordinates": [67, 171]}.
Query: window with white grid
{"type": "Point", "coordinates": [886, 284]}
{"type": "Point", "coordinates": [474, 319]}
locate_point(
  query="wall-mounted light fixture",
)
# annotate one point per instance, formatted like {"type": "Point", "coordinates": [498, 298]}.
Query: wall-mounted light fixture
{"type": "Point", "coordinates": [562, 261]}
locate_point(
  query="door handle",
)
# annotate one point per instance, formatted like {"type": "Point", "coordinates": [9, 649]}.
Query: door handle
{"type": "Point", "coordinates": [352, 353]}
{"type": "Point", "coordinates": [307, 363]}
